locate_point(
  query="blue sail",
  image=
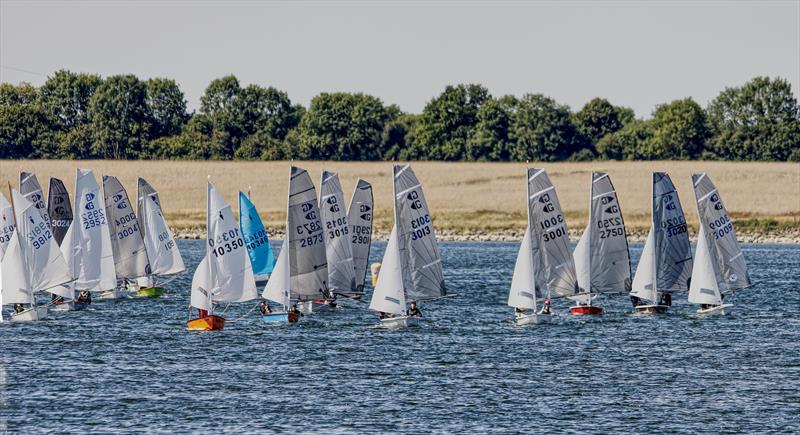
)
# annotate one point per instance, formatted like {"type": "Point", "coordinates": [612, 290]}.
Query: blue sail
{"type": "Point", "coordinates": [256, 239]}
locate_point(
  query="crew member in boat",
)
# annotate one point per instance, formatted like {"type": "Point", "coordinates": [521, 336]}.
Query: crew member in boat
{"type": "Point", "coordinates": [264, 307]}
{"type": "Point", "coordinates": [521, 312]}
{"type": "Point", "coordinates": [18, 308]}
{"type": "Point", "coordinates": [295, 310]}
{"type": "Point", "coordinates": [413, 310]}
{"type": "Point", "coordinates": [385, 315]}
{"type": "Point", "coordinates": [84, 297]}
{"type": "Point", "coordinates": [636, 301]}
{"type": "Point", "coordinates": [546, 307]}
{"type": "Point", "coordinates": [666, 299]}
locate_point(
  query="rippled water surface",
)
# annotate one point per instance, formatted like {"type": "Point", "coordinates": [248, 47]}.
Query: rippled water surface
{"type": "Point", "coordinates": [131, 365]}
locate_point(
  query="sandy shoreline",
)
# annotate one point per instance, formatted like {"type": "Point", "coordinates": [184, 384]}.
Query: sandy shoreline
{"type": "Point", "coordinates": [787, 236]}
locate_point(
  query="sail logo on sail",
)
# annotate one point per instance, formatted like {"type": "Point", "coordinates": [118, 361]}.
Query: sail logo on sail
{"type": "Point", "coordinates": [606, 200]}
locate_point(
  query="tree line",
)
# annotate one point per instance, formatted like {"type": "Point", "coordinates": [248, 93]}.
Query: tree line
{"type": "Point", "coordinates": [83, 116]}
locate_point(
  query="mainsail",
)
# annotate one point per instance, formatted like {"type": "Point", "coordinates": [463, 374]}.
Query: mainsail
{"type": "Point", "coordinates": [359, 217]}
{"type": "Point", "coordinates": [130, 255]}
{"type": "Point", "coordinates": [549, 230]}
{"type": "Point", "coordinates": [256, 239]}
{"type": "Point", "coordinates": [388, 296]}
{"type": "Point", "coordinates": [673, 253]}
{"type": "Point", "coordinates": [642, 286]}
{"type": "Point", "coordinates": [30, 188]}
{"type": "Point", "coordinates": [523, 287]}
{"type": "Point", "coordinates": [338, 246]}
{"type": "Point", "coordinates": [422, 265]}
{"type": "Point", "coordinates": [309, 266]}
{"type": "Point", "coordinates": [225, 273]}
{"type": "Point", "coordinates": [278, 288]}
{"type": "Point", "coordinates": [601, 256]}
{"type": "Point", "coordinates": [725, 253]}
{"type": "Point", "coordinates": [159, 241]}
{"type": "Point", "coordinates": [59, 209]}
{"type": "Point", "coordinates": [6, 224]}
{"type": "Point", "coordinates": [89, 237]}
{"type": "Point", "coordinates": [704, 288]}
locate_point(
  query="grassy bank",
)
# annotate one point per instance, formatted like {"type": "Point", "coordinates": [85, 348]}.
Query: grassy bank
{"type": "Point", "coordinates": [466, 198]}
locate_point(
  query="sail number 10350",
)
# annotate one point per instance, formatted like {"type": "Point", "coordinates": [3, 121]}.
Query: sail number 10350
{"type": "Point", "coordinates": [226, 242]}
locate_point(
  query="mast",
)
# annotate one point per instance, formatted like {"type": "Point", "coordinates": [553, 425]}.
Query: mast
{"type": "Point", "coordinates": [589, 240]}
{"type": "Point", "coordinates": [530, 230]}
{"type": "Point", "coordinates": [286, 240]}
{"type": "Point", "coordinates": [396, 220]}
{"type": "Point", "coordinates": [655, 251]}
{"type": "Point", "coordinates": [208, 240]}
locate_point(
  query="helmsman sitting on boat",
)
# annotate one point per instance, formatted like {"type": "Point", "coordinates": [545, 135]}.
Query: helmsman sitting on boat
{"type": "Point", "coordinates": [413, 310]}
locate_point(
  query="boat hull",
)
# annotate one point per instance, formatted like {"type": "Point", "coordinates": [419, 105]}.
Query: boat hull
{"type": "Point", "coordinates": [149, 292]}
{"type": "Point", "coordinates": [32, 314]}
{"type": "Point", "coordinates": [280, 317]}
{"type": "Point", "coordinates": [113, 294]}
{"type": "Point", "coordinates": [399, 322]}
{"type": "Point", "coordinates": [651, 309]}
{"type": "Point", "coordinates": [585, 310]}
{"type": "Point", "coordinates": [207, 323]}
{"type": "Point", "coordinates": [68, 306]}
{"type": "Point", "coordinates": [719, 310]}
{"type": "Point", "coordinates": [533, 319]}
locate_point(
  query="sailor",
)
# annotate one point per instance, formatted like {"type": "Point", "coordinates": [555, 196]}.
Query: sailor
{"type": "Point", "coordinates": [546, 307]}
{"type": "Point", "coordinates": [264, 306]}
{"type": "Point", "coordinates": [385, 315]}
{"type": "Point", "coordinates": [295, 310]}
{"type": "Point", "coordinates": [18, 308]}
{"type": "Point", "coordinates": [413, 310]}
{"type": "Point", "coordinates": [636, 301]}
{"type": "Point", "coordinates": [666, 299]}
{"type": "Point", "coordinates": [84, 297]}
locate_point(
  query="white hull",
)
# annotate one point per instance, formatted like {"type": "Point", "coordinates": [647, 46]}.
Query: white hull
{"type": "Point", "coordinates": [533, 319]}
{"type": "Point", "coordinates": [651, 309]}
{"type": "Point", "coordinates": [66, 306]}
{"type": "Point", "coordinates": [117, 293]}
{"type": "Point", "coordinates": [719, 310]}
{"type": "Point", "coordinates": [399, 322]}
{"type": "Point", "coordinates": [30, 315]}
{"type": "Point", "coordinates": [306, 307]}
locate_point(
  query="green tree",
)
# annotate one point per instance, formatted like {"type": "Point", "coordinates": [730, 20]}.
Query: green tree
{"type": "Point", "coordinates": [598, 118]}
{"type": "Point", "coordinates": [758, 121]}
{"type": "Point", "coordinates": [631, 143]}
{"type": "Point", "coordinates": [120, 118]}
{"type": "Point", "coordinates": [65, 98]}
{"type": "Point", "coordinates": [167, 106]}
{"type": "Point", "coordinates": [542, 130]}
{"type": "Point", "coordinates": [396, 140]}
{"type": "Point", "coordinates": [447, 121]}
{"type": "Point", "coordinates": [25, 129]}
{"type": "Point", "coordinates": [490, 140]}
{"type": "Point", "coordinates": [679, 130]}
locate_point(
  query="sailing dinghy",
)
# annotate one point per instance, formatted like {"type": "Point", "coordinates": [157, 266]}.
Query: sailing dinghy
{"type": "Point", "coordinates": [719, 264]}
{"type": "Point", "coordinates": [666, 262]}
{"type": "Point", "coordinates": [30, 188]}
{"type": "Point", "coordinates": [256, 240]}
{"type": "Point", "coordinates": [127, 244]}
{"type": "Point", "coordinates": [411, 269]}
{"type": "Point", "coordinates": [31, 263]}
{"type": "Point", "coordinates": [159, 241]}
{"type": "Point", "coordinates": [7, 224]}
{"type": "Point", "coordinates": [359, 217]}
{"type": "Point", "coordinates": [602, 260]}
{"type": "Point", "coordinates": [338, 244]}
{"type": "Point", "coordinates": [225, 273]}
{"type": "Point", "coordinates": [544, 268]}
{"type": "Point", "coordinates": [59, 209]}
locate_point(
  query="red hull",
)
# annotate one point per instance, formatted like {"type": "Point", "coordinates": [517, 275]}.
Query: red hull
{"type": "Point", "coordinates": [208, 323]}
{"type": "Point", "coordinates": [585, 310]}
{"type": "Point", "coordinates": [293, 317]}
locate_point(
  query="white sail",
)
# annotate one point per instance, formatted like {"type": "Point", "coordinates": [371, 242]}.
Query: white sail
{"type": "Point", "coordinates": [338, 246]}
{"type": "Point", "coordinates": [30, 188]}
{"type": "Point", "coordinates": [671, 238]}
{"type": "Point", "coordinates": [71, 252]}
{"type": "Point", "coordinates": [225, 274]}
{"type": "Point", "coordinates": [523, 286]}
{"type": "Point", "coordinates": [582, 259]}
{"type": "Point", "coordinates": [359, 217]}
{"type": "Point", "coordinates": [278, 287]}
{"type": "Point", "coordinates": [309, 264]}
{"type": "Point", "coordinates": [94, 256]}
{"type": "Point", "coordinates": [549, 228]}
{"type": "Point", "coordinates": [703, 288]}
{"type": "Point", "coordinates": [726, 255]}
{"type": "Point", "coordinates": [130, 255]}
{"type": "Point", "coordinates": [642, 286]}
{"type": "Point", "coordinates": [389, 295]}
{"type": "Point", "coordinates": [7, 225]}
{"type": "Point", "coordinates": [422, 265]}
{"type": "Point", "coordinates": [16, 287]}
{"type": "Point", "coordinates": [162, 249]}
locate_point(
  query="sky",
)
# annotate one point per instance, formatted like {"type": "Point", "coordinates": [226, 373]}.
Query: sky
{"type": "Point", "coordinates": [636, 54]}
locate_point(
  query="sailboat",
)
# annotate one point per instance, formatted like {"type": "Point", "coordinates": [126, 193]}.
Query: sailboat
{"type": "Point", "coordinates": [602, 260]}
{"type": "Point", "coordinates": [359, 217]}
{"type": "Point", "coordinates": [7, 224]}
{"type": "Point", "coordinates": [338, 245]}
{"type": "Point", "coordinates": [30, 188]}
{"type": "Point", "coordinates": [411, 268]}
{"type": "Point", "coordinates": [32, 262]}
{"type": "Point", "coordinates": [159, 242]}
{"type": "Point", "coordinates": [719, 264]}
{"type": "Point", "coordinates": [666, 262]}
{"type": "Point", "coordinates": [225, 273]}
{"type": "Point", "coordinates": [256, 240]}
{"type": "Point", "coordinates": [59, 209]}
{"type": "Point", "coordinates": [544, 268]}
{"type": "Point", "coordinates": [87, 244]}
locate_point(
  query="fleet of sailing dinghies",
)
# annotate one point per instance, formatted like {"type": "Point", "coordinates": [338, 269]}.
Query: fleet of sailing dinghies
{"type": "Point", "coordinates": [256, 240]}
{"type": "Point", "coordinates": [224, 274]}
{"type": "Point", "coordinates": [719, 262]}
{"type": "Point", "coordinates": [602, 259]}
{"type": "Point", "coordinates": [666, 262]}
{"type": "Point", "coordinates": [97, 241]}
{"type": "Point", "coordinates": [338, 245]}
{"type": "Point", "coordinates": [359, 217]}
{"type": "Point", "coordinates": [59, 208]}
{"type": "Point", "coordinates": [544, 268]}
{"type": "Point", "coordinates": [412, 267]}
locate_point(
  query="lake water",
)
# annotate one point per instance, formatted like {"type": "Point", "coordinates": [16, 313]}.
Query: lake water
{"type": "Point", "coordinates": [132, 366]}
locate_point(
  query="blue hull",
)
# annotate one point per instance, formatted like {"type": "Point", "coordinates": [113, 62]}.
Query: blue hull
{"type": "Point", "coordinates": [273, 318]}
